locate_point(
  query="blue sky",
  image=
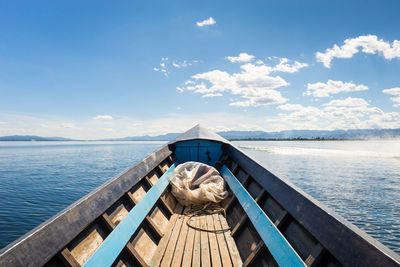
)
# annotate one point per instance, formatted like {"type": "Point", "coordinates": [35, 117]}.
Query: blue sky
{"type": "Point", "coordinates": [94, 69]}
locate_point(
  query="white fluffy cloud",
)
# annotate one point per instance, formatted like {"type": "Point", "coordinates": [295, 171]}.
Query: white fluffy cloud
{"type": "Point", "coordinates": [242, 57]}
{"type": "Point", "coordinates": [320, 89]}
{"type": "Point", "coordinates": [103, 117]}
{"type": "Point", "coordinates": [396, 93]}
{"type": "Point", "coordinates": [255, 83]}
{"type": "Point", "coordinates": [209, 21]}
{"type": "Point", "coordinates": [212, 95]}
{"type": "Point", "coordinates": [369, 44]}
{"type": "Point", "coordinates": [285, 66]}
{"type": "Point", "coordinates": [349, 113]}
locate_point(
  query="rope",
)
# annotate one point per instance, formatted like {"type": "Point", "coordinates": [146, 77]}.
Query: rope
{"type": "Point", "coordinates": [207, 209]}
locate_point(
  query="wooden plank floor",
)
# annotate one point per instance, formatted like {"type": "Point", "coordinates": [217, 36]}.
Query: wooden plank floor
{"type": "Point", "coordinates": [185, 246]}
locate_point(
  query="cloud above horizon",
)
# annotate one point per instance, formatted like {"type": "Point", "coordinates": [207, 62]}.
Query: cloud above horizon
{"type": "Point", "coordinates": [206, 22]}
{"type": "Point", "coordinates": [242, 57]}
{"type": "Point", "coordinates": [103, 117]}
{"type": "Point", "coordinates": [329, 88]}
{"type": "Point", "coordinates": [348, 113]}
{"type": "Point", "coordinates": [369, 44]}
{"type": "Point", "coordinates": [285, 66]}
{"type": "Point", "coordinates": [396, 93]}
{"type": "Point", "coordinates": [254, 84]}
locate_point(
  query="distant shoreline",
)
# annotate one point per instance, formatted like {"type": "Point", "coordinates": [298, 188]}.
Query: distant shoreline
{"type": "Point", "coordinates": [249, 139]}
{"type": "Point", "coordinates": [287, 135]}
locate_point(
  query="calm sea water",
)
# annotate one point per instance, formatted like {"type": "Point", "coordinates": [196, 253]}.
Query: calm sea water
{"type": "Point", "coordinates": [358, 179]}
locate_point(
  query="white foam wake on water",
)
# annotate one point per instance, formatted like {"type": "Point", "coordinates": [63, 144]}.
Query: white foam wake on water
{"type": "Point", "coordinates": [300, 151]}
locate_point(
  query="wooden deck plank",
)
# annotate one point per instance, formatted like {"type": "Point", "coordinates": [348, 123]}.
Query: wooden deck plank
{"type": "Point", "coordinates": [196, 259]}
{"type": "Point", "coordinates": [233, 251]}
{"type": "Point", "coordinates": [212, 237]}
{"type": "Point", "coordinates": [156, 260]}
{"type": "Point", "coordinates": [180, 245]}
{"type": "Point", "coordinates": [204, 243]}
{"type": "Point", "coordinates": [169, 252]}
{"type": "Point", "coordinates": [223, 248]}
{"type": "Point", "coordinates": [186, 246]}
{"type": "Point", "coordinates": [188, 253]}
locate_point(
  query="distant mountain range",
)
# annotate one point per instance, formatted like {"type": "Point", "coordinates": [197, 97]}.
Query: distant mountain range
{"type": "Point", "coordinates": [245, 135]}
{"type": "Point", "coordinates": [163, 137]}
{"type": "Point", "coordinates": [32, 138]}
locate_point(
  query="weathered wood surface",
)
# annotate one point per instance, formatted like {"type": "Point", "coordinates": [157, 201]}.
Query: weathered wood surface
{"type": "Point", "coordinates": [180, 245]}
{"type": "Point", "coordinates": [222, 244]}
{"type": "Point", "coordinates": [230, 243]}
{"type": "Point", "coordinates": [189, 245]}
{"type": "Point", "coordinates": [186, 246]}
{"type": "Point", "coordinates": [212, 237]}
{"type": "Point", "coordinates": [158, 255]}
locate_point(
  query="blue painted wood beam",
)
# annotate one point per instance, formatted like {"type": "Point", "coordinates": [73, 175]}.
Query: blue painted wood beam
{"type": "Point", "coordinates": [112, 246]}
{"type": "Point", "coordinates": [276, 243]}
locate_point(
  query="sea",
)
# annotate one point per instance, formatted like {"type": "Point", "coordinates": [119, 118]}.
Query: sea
{"type": "Point", "coordinates": [359, 180]}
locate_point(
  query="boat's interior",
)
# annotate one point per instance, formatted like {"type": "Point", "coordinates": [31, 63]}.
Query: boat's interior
{"type": "Point", "coordinates": [164, 237]}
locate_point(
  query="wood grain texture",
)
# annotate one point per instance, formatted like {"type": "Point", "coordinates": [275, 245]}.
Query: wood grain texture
{"type": "Point", "coordinates": [196, 259]}
{"type": "Point", "coordinates": [188, 253]}
{"type": "Point", "coordinates": [67, 256]}
{"type": "Point", "coordinates": [162, 245]}
{"type": "Point", "coordinates": [204, 243]}
{"type": "Point", "coordinates": [169, 252]}
{"type": "Point", "coordinates": [212, 237]}
{"type": "Point", "coordinates": [222, 245]}
{"type": "Point", "coordinates": [180, 245]}
{"type": "Point", "coordinates": [234, 253]}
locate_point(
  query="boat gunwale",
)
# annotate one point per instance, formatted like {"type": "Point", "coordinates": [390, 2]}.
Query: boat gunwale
{"type": "Point", "coordinates": [44, 241]}
{"type": "Point", "coordinates": [327, 227]}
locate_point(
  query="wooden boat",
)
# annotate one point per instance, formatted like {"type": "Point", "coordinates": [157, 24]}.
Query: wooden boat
{"type": "Point", "coordinates": [134, 220]}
